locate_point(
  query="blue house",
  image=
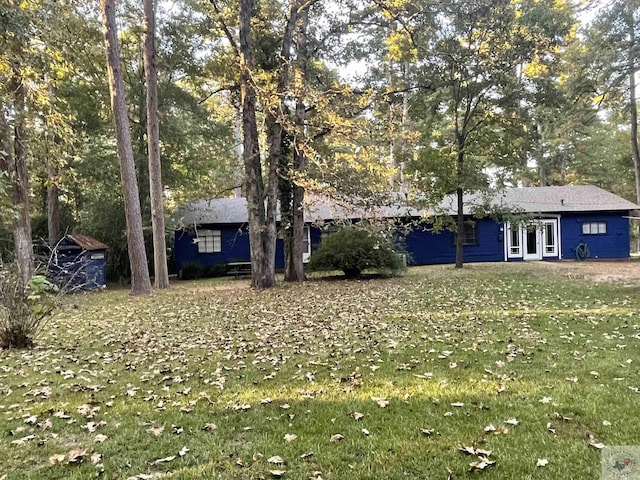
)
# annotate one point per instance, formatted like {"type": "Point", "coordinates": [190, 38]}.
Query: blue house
{"type": "Point", "coordinates": [78, 263]}
{"type": "Point", "coordinates": [554, 223]}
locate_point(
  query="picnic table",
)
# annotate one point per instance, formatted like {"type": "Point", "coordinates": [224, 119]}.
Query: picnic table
{"type": "Point", "coordinates": [238, 269]}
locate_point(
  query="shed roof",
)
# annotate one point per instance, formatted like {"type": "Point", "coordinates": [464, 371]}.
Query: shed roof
{"type": "Point", "coordinates": [86, 242]}
{"type": "Point", "coordinates": [570, 198]}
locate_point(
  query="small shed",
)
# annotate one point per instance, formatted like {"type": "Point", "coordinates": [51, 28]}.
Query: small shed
{"type": "Point", "coordinates": [78, 263]}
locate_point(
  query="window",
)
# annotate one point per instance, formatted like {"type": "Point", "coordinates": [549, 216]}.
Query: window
{"type": "Point", "coordinates": [514, 241]}
{"type": "Point", "coordinates": [550, 238]}
{"type": "Point", "coordinates": [209, 241]}
{"type": "Point", "coordinates": [594, 228]}
{"type": "Point", "coordinates": [306, 240]}
{"type": "Point", "coordinates": [469, 234]}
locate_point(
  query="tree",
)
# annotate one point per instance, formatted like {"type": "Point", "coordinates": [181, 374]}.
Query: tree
{"type": "Point", "coordinates": [472, 59]}
{"type": "Point", "coordinates": [614, 46]}
{"type": "Point", "coordinates": [140, 283]}
{"type": "Point", "coordinates": [153, 141]}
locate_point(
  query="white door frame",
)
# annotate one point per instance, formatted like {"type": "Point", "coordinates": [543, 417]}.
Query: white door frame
{"type": "Point", "coordinates": [532, 230]}
{"type": "Point", "coordinates": [516, 239]}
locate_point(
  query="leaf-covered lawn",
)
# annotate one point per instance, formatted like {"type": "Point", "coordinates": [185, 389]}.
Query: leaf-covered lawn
{"type": "Point", "coordinates": [417, 377]}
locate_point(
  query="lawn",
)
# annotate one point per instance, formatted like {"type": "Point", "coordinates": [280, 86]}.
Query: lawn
{"type": "Point", "coordinates": [379, 379]}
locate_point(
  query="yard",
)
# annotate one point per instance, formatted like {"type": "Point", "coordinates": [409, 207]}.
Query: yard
{"type": "Point", "coordinates": [531, 366]}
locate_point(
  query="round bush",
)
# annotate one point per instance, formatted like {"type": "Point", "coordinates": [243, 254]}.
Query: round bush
{"type": "Point", "coordinates": [354, 250]}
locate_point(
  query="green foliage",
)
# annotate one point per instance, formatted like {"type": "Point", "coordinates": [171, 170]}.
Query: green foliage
{"type": "Point", "coordinates": [195, 270]}
{"type": "Point", "coordinates": [23, 308]}
{"type": "Point", "coordinates": [354, 250]}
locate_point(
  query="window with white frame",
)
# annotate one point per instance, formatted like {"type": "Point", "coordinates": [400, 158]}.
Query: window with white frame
{"type": "Point", "coordinates": [550, 237]}
{"type": "Point", "coordinates": [306, 240]}
{"type": "Point", "coordinates": [515, 248]}
{"type": "Point", "coordinates": [209, 241]}
{"type": "Point", "coordinates": [594, 228]}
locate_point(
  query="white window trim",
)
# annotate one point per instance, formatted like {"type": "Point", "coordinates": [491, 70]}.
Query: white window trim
{"type": "Point", "coordinates": [554, 225]}
{"type": "Point", "coordinates": [518, 229]}
{"type": "Point", "coordinates": [212, 246]}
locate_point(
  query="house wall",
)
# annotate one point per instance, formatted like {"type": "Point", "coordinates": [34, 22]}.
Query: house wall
{"type": "Point", "coordinates": [235, 247]}
{"type": "Point", "coordinates": [427, 248]}
{"type": "Point", "coordinates": [614, 244]}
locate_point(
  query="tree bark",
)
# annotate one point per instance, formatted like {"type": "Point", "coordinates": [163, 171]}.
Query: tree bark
{"type": "Point", "coordinates": [161, 270]}
{"type": "Point", "coordinates": [460, 207]}
{"type": "Point", "coordinates": [140, 282]}
{"type": "Point", "coordinates": [295, 264]}
{"type": "Point", "coordinates": [258, 236]}
{"type": "Point", "coordinates": [14, 162]}
{"type": "Point", "coordinates": [53, 204]}
{"type": "Point", "coordinates": [633, 108]}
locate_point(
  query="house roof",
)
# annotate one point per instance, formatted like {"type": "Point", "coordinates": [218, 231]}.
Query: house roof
{"type": "Point", "coordinates": [86, 242]}
{"type": "Point", "coordinates": [570, 198]}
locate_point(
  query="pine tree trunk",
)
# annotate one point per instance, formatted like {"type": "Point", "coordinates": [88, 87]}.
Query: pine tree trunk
{"type": "Point", "coordinates": [140, 282]}
{"type": "Point", "coordinates": [14, 162]}
{"type": "Point", "coordinates": [460, 208]}
{"type": "Point", "coordinates": [153, 138]}
{"type": "Point", "coordinates": [633, 108]}
{"type": "Point", "coordinates": [295, 272]}
{"type": "Point", "coordinates": [53, 205]}
{"type": "Point", "coordinates": [251, 155]}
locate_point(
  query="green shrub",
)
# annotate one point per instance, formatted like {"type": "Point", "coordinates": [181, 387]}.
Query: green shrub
{"type": "Point", "coordinates": [23, 308]}
{"type": "Point", "coordinates": [354, 250]}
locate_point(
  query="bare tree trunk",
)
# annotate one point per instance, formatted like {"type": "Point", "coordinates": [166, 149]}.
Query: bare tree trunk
{"type": "Point", "coordinates": [140, 283]}
{"type": "Point", "coordinates": [460, 206]}
{"type": "Point", "coordinates": [13, 160]}
{"type": "Point", "coordinates": [633, 107]}
{"type": "Point", "coordinates": [251, 155]}
{"type": "Point", "coordinates": [295, 272]}
{"type": "Point", "coordinates": [153, 138]}
{"type": "Point", "coordinates": [53, 204]}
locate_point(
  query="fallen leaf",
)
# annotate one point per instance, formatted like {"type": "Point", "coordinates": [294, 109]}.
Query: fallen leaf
{"type": "Point", "coordinates": [57, 459]}
{"type": "Point", "coordinates": [277, 473]}
{"type": "Point", "coordinates": [156, 431]}
{"type": "Point", "coordinates": [336, 437]}
{"type": "Point", "coordinates": [163, 460]}
{"type": "Point", "coordinates": [356, 415]}
{"type": "Point", "coordinates": [481, 464]}
{"type": "Point", "coordinates": [96, 458]}
{"type": "Point", "coordinates": [290, 437]}
{"type": "Point", "coordinates": [457, 404]}
{"type": "Point", "coordinates": [100, 438]}
{"type": "Point", "coordinates": [427, 431]}
{"type": "Point", "coordinates": [276, 460]}
{"type": "Point", "coordinates": [76, 456]}
{"type": "Point", "coordinates": [209, 427]}
{"type": "Point", "coordinates": [381, 401]}
{"type": "Point", "coordinates": [512, 421]}
{"type": "Point", "coordinates": [183, 451]}
{"type": "Point", "coordinates": [542, 462]}
{"type": "Point", "coordinates": [23, 440]}
{"type": "Point", "coordinates": [489, 428]}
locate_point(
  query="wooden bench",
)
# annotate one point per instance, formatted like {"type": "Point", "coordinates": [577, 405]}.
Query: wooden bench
{"type": "Point", "coordinates": [239, 268]}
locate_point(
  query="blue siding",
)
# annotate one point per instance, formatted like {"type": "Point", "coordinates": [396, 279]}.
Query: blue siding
{"type": "Point", "coordinates": [235, 247]}
{"type": "Point", "coordinates": [77, 269]}
{"type": "Point", "coordinates": [427, 248]}
{"type": "Point", "coordinates": [614, 244]}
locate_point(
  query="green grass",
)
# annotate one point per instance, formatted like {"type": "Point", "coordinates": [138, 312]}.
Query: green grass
{"type": "Point", "coordinates": [496, 338]}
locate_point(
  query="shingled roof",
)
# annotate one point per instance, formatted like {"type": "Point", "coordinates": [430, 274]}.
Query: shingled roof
{"type": "Point", "coordinates": [571, 198]}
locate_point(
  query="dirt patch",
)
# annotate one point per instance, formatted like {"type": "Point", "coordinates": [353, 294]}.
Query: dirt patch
{"type": "Point", "coordinates": [232, 285]}
{"type": "Point", "coordinates": [625, 272]}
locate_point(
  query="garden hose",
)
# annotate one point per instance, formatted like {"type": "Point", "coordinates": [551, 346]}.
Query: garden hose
{"type": "Point", "coordinates": [582, 251]}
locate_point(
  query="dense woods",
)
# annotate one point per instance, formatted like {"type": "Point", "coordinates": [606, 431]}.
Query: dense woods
{"type": "Point", "coordinates": [278, 99]}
